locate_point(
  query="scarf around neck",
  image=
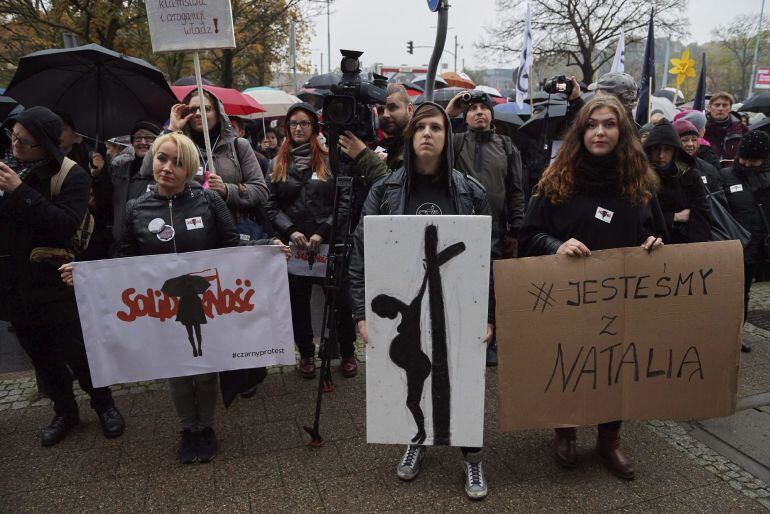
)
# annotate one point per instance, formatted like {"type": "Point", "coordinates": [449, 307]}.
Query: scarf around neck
{"type": "Point", "coordinates": [596, 175]}
{"type": "Point", "coordinates": [300, 156]}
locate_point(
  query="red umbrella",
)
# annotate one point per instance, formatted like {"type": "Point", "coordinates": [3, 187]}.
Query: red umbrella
{"type": "Point", "coordinates": [235, 102]}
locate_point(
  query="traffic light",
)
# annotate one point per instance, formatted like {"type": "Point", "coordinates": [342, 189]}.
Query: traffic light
{"type": "Point", "coordinates": [410, 47]}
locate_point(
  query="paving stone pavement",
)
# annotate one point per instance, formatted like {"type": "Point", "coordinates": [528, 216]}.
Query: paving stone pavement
{"type": "Point", "coordinates": [265, 465]}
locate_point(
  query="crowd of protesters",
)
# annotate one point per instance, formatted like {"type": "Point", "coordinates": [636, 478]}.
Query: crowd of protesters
{"type": "Point", "coordinates": [659, 181]}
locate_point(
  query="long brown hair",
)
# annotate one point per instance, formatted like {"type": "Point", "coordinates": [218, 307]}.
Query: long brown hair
{"type": "Point", "coordinates": [283, 158]}
{"type": "Point", "coordinates": [636, 180]}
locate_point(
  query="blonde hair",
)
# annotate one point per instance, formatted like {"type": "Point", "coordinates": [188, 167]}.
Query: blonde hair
{"type": "Point", "coordinates": [186, 152]}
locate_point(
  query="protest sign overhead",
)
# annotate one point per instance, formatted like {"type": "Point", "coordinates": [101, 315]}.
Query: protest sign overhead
{"type": "Point", "coordinates": [190, 24]}
{"type": "Point", "coordinates": [426, 319]}
{"type": "Point", "coordinates": [184, 314]}
{"type": "Point", "coordinates": [620, 335]}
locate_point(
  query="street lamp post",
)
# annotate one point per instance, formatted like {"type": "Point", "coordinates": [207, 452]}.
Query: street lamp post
{"type": "Point", "coordinates": [756, 49]}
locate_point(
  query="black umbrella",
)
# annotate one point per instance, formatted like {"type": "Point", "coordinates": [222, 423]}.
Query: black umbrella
{"type": "Point", "coordinates": [535, 127]}
{"type": "Point", "coordinates": [759, 102]}
{"type": "Point", "coordinates": [103, 91]}
{"type": "Point", "coordinates": [9, 106]}
{"type": "Point", "coordinates": [441, 96]}
{"type": "Point", "coordinates": [324, 81]}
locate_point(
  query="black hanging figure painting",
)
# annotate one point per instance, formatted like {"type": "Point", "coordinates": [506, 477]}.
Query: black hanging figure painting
{"type": "Point", "coordinates": [406, 348]}
{"type": "Point", "coordinates": [190, 310]}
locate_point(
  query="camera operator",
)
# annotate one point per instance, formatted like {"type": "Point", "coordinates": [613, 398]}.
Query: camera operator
{"type": "Point", "coordinates": [301, 208]}
{"type": "Point", "coordinates": [395, 117]}
{"type": "Point", "coordinates": [36, 231]}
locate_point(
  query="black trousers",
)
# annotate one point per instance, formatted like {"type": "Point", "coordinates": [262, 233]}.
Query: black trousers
{"type": "Point", "coordinates": [300, 291]}
{"type": "Point", "coordinates": [54, 351]}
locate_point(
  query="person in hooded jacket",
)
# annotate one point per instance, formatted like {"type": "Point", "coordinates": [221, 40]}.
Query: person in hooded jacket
{"type": "Point", "coordinates": [596, 195]}
{"type": "Point", "coordinates": [428, 177]}
{"type": "Point", "coordinates": [118, 181]}
{"type": "Point", "coordinates": [682, 195]}
{"type": "Point", "coordinates": [747, 188]}
{"type": "Point", "coordinates": [301, 209]}
{"type": "Point", "coordinates": [688, 135]}
{"type": "Point", "coordinates": [42, 310]}
{"type": "Point", "coordinates": [238, 178]}
{"type": "Point", "coordinates": [155, 223]}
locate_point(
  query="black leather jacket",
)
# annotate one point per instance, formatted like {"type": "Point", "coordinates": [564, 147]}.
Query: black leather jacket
{"type": "Point", "coordinates": [199, 217]}
{"type": "Point", "coordinates": [388, 197]}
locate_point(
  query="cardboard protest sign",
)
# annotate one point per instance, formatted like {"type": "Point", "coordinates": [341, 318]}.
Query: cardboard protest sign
{"type": "Point", "coordinates": [427, 289]}
{"type": "Point", "coordinates": [190, 24]}
{"type": "Point", "coordinates": [173, 315]}
{"type": "Point", "coordinates": [299, 264]}
{"type": "Point", "coordinates": [622, 334]}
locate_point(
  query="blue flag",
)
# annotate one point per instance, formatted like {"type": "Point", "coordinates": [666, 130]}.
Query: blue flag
{"type": "Point", "coordinates": [647, 84]}
{"type": "Point", "coordinates": [699, 104]}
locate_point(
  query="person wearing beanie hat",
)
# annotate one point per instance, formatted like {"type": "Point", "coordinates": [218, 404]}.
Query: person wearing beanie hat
{"type": "Point", "coordinates": [698, 119]}
{"type": "Point", "coordinates": [689, 136]}
{"type": "Point", "coordinates": [40, 307]}
{"type": "Point", "coordinates": [427, 184]}
{"type": "Point", "coordinates": [682, 195]}
{"type": "Point", "coordinates": [644, 131]}
{"type": "Point", "coordinates": [301, 209]}
{"type": "Point", "coordinates": [746, 185]}
{"type": "Point", "coordinates": [119, 180]}
{"type": "Point", "coordinates": [493, 160]}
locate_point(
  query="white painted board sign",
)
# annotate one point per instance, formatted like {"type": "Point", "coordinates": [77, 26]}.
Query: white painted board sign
{"type": "Point", "coordinates": [162, 316]}
{"type": "Point", "coordinates": [177, 25]}
{"type": "Point", "coordinates": [426, 275]}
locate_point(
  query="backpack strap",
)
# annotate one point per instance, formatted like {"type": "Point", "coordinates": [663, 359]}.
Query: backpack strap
{"type": "Point", "coordinates": [58, 179]}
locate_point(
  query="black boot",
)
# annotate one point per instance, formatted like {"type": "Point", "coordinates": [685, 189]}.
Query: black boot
{"type": "Point", "coordinates": [186, 451]}
{"type": "Point", "coordinates": [206, 444]}
{"type": "Point", "coordinates": [112, 422]}
{"type": "Point", "coordinates": [58, 429]}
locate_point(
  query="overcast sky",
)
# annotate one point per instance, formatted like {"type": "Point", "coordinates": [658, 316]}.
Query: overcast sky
{"type": "Point", "coordinates": [381, 28]}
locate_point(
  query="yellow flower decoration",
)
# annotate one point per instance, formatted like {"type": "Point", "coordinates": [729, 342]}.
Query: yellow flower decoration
{"type": "Point", "coordinates": [684, 67]}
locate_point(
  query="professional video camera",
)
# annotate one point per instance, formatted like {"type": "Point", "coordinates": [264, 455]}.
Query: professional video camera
{"type": "Point", "coordinates": [351, 106]}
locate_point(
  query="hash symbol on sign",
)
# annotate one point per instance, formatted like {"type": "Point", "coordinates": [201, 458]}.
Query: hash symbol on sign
{"type": "Point", "coordinates": [542, 297]}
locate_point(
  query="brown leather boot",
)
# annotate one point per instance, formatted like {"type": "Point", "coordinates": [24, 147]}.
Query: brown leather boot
{"type": "Point", "coordinates": [608, 446]}
{"type": "Point", "coordinates": [566, 449]}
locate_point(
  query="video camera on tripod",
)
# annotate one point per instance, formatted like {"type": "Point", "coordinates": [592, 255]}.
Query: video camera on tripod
{"type": "Point", "coordinates": [352, 104]}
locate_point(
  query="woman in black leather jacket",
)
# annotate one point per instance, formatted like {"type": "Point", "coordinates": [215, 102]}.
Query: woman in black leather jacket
{"type": "Point", "coordinates": [596, 195]}
{"type": "Point", "coordinates": [301, 209]}
{"type": "Point", "coordinates": [157, 223]}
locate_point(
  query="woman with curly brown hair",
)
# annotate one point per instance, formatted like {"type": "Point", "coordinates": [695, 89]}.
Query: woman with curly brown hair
{"type": "Point", "coordinates": [596, 195]}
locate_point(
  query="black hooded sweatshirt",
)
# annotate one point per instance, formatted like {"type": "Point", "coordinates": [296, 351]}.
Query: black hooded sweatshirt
{"type": "Point", "coordinates": [404, 192]}
{"type": "Point", "coordinates": [681, 187]}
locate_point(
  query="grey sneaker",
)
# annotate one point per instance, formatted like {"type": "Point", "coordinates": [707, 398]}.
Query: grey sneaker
{"type": "Point", "coordinates": [475, 485]}
{"type": "Point", "coordinates": [410, 463]}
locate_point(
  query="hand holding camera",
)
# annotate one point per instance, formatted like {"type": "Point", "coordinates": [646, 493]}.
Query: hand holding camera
{"type": "Point", "coordinates": [568, 86]}
{"type": "Point", "coordinates": [9, 179]}
{"type": "Point", "coordinates": [180, 115]}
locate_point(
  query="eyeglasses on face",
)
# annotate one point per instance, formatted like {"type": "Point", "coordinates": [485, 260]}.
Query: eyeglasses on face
{"type": "Point", "coordinates": [24, 143]}
{"type": "Point", "coordinates": [302, 124]}
{"type": "Point", "coordinates": [146, 139]}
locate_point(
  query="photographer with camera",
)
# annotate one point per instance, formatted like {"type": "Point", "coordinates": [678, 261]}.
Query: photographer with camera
{"type": "Point", "coordinates": [301, 209]}
{"type": "Point", "coordinates": [494, 161]}
{"type": "Point", "coordinates": [394, 119]}
{"type": "Point", "coordinates": [43, 202]}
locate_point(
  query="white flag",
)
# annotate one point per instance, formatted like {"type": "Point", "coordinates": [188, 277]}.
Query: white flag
{"type": "Point", "coordinates": [525, 63]}
{"type": "Point", "coordinates": [619, 62]}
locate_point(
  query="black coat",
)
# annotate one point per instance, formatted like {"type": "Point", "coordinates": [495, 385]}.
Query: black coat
{"type": "Point", "coordinates": [301, 203]}
{"type": "Point", "coordinates": [685, 192]}
{"type": "Point", "coordinates": [33, 293]}
{"type": "Point", "coordinates": [709, 174]}
{"type": "Point", "coordinates": [547, 226]}
{"type": "Point", "coordinates": [744, 195]}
